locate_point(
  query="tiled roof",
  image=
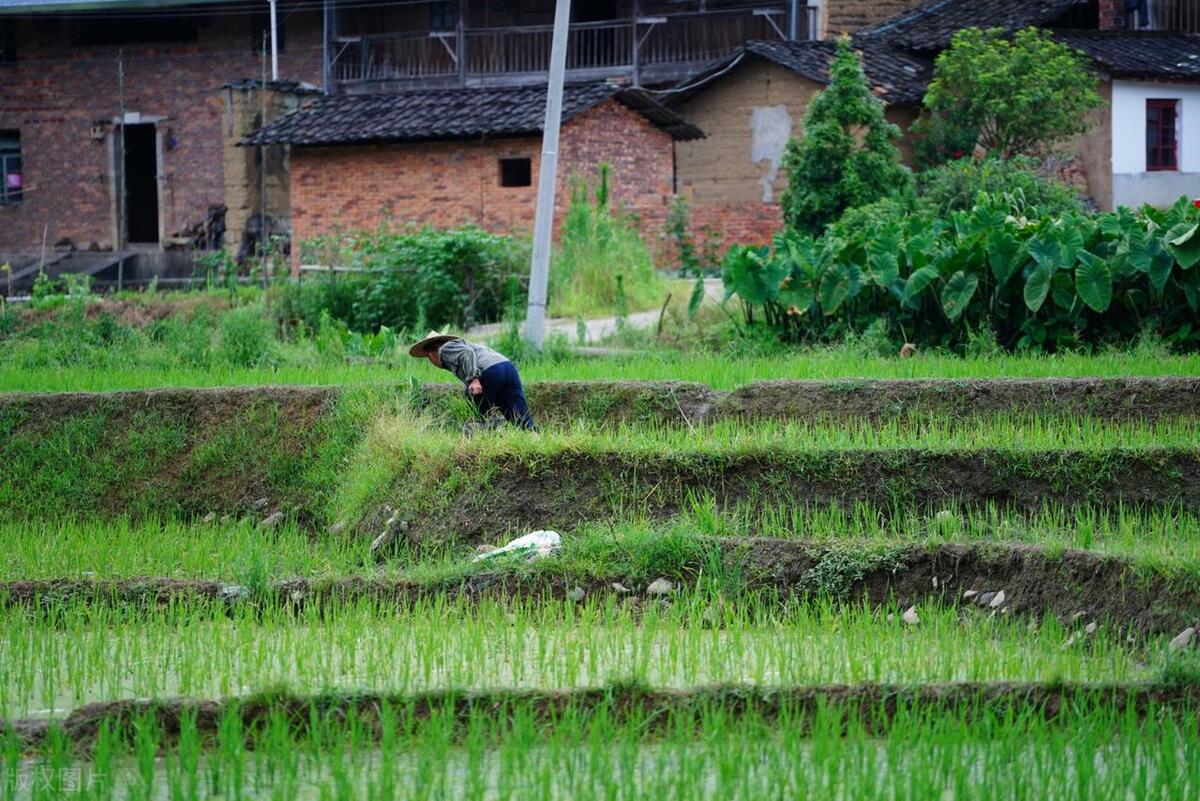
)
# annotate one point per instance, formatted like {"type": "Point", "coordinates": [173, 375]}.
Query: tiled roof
{"type": "Point", "coordinates": [932, 25]}
{"type": "Point", "coordinates": [463, 113]}
{"type": "Point", "coordinates": [899, 77]}
{"type": "Point", "coordinates": [1130, 54]}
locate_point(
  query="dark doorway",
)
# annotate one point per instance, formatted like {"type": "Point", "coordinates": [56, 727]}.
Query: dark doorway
{"type": "Point", "coordinates": [594, 10]}
{"type": "Point", "coordinates": [141, 183]}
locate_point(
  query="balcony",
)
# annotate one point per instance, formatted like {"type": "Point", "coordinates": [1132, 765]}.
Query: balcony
{"type": "Point", "coordinates": [1179, 16]}
{"type": "Point", "coordinates": [645, 50]}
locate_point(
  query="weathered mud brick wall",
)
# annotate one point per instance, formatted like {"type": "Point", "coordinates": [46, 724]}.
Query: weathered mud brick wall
{"type": "Point", "coordinates": [840, 17]}
{"type": "Point", "coordinates": [734, 177]}
{"type": "Point", "coordinates": [62, 96]}
{"type": "Point", "coordinates": [445, 184]}
{"type": "Point", "coordinates": [247, 109]}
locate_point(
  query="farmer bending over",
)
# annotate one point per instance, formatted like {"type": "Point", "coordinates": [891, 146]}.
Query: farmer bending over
{"type": "Point", "coordinates": [490, 379]}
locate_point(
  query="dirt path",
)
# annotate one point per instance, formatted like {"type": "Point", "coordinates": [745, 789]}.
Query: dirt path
{"type": "Point", "coordinates": [598, 328]}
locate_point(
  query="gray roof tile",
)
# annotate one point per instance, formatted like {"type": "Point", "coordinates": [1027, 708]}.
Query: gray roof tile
{"type": "Point", "coordinates": [461, 113]}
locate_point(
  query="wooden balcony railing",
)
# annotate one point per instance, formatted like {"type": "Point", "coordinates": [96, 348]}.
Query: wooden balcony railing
{"type": "Point", "coordinates": [1182, 16]}
{"type": "Point", "coordinates": [657, 48]}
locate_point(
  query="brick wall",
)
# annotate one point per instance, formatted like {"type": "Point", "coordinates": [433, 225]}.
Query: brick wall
{"type": "Point", "coordinates": [1112, 14]}
{"type": "Point", "coordinates": [55, 93]}
{"type": "Point", "coordinates": [446, 184]}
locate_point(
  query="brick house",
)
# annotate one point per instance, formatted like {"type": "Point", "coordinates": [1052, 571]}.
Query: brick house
{"type": "Point", "coordinates": [750, 103]}
{"type": "Point", "coordinates": [447, 157]}
{"type": "Point", "coordinates": [111, 100]}
{"type": "Point", "coordinates": [119, 118]}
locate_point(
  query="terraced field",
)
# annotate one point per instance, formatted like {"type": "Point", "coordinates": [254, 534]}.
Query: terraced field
{"type": "Point", "coordinates": [859, 589]}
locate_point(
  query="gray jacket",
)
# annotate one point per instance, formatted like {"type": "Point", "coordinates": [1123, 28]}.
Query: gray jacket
{"type": "Point", "coordinates": [467, 360]}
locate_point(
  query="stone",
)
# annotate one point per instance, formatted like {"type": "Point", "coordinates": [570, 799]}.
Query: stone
{"type": "Point", "coordinates": [484, 550]}
{"type": "Point", "coordinates": [271, 521]}
{"type": "Point", "coordinates": [935, 582]}
{"type": "Point", "coordinates": [234, 592]}
{"type": "Point", "coordinates": [337, 528]}
{"type": "Point", "coordinates": [209, 518]}
{"type": "Point", "coordinates": [297, 596]}
{"type": "Point", "coordinates": [1074, 638]}
{"type": "Point", "coordinates": [660, 586]}
{"type": "Point", "coordinates": [1076, 617]}
{"type": "Point", "coordinates": [910, 616]}
{"type": "Point", "coordinates": [621, 588]}
{"type": "Point", "coordinates": [1090, 628]}
{"type": "Point", "coordinates": [260, 504]}
{"type": "Point", "coordinates": [985, 599]}
{"type": "Point", "coordinates": [969, 594]}
{"type": "Point", "coordinates": [1183, 639]}
{"type": "Point", "coordinates": [997, 601]}
{"type": "Point", "coordinates": [576, 594]}
{"type": "Point", "coordinates": [383, 540]}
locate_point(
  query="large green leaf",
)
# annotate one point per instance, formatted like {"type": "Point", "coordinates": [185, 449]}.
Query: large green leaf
{"type": "Point", "coordinates": [1037, 286]}
{"type": "Point", "coordinates": [1004, 256]}
{"type": "Point", "coordinates": [957, 293]}
{"type": "Point", "coordinates": [1160, 270]}
{"type": "Point", "coordinates": [885, 268]}
{"type": "Point", "coordinates": [1062, 289]}
{"type": "Point", "coordinates": [838, 284]}
{"type": "Point", "coordinates": [752, 275]}
{"type": "Point", "coordinates": [1045, 250]}
{"type": "Point", "coordinates": [1093, 281]}
{"type": "Point", "coordinates": [1183, 241]}
{"type": "Point", "coordinates": [916, 284]}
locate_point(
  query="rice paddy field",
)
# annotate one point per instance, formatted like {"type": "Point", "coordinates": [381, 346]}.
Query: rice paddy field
{"type": "Point", "coordinates": [805, 576]}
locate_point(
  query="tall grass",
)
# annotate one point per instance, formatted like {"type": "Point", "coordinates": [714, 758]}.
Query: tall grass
{"type": "Point", "coordinates": [602, 267]}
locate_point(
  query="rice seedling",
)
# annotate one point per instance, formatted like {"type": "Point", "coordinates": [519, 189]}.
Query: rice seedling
{"type": "Point", "coordinates": [54, 659]}
{"type": "Point", "coordinates": [1096, 751]}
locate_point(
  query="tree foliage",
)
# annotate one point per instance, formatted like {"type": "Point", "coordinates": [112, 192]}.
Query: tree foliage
{"type": "Point", "coordinates": [847, 156]}
{"type": "Point", "coordinates": [1011, 96]}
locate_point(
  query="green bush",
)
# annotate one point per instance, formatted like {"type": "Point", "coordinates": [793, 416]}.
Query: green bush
{"type": "Point", "coordinates": [1049, 283]}
{"type": "Point", "coordinates": [413, 279]}
{"type": "Point", "coordinates": [1009, 94]}
{"type": "Point", "coordinates": [245, 336]}
{"type": "Point", "coordinates": [961, 184]}
{"type": "Point", "coordinates": [847, 156]}
{"type": "Point", "coordinates": [598, 245]}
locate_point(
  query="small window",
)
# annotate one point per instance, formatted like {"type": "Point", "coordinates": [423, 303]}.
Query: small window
{"type": "Point", "coordinates": [516, 172]}
{"type": "Point", "coordinates": [8, 41]}
{"type": "Point", "coordinates": [1162, 135]}
{"type": "Point", "coordinates": [443, 15]}
{"type": "Point", "coordinates": [12, 180]}
{"type": "Point", "coordinates": [260, 31]}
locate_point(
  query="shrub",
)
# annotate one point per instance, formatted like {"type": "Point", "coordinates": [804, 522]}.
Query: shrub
{"type": "Point", "coordinates": [847, 156]}
{"type": "Point", "coordinates": [1016, 183]}
{"type": "Point", "coordinates": [1009, 94]}
{"type": "Point", "coordinates": [245, 336]}
{"type": "Point", "coordinates": [598, 245]}
{"type": "Point", "coordinates": [1053, 282]}
{"type": "Point", "coordinates": [414, 279]}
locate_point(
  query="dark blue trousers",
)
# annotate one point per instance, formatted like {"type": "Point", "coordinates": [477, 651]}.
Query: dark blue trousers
{"type": "Point", "coordinates": [502, 390]}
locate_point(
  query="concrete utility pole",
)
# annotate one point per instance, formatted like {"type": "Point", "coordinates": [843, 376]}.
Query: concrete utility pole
{"type": "Point", "coordinates": [274, 44]}
{"type": "Point", "coordinates": [543, 225]}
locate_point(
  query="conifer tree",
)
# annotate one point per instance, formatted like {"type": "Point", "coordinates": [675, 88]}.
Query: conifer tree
{"type": "Point", "coordinates": [847, 156]}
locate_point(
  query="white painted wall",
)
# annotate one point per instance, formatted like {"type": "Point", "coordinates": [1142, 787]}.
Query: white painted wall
{"type": "Point", "coordinates": [1132, 184]}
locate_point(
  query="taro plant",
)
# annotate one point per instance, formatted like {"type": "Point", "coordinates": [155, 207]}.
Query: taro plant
{"type": "Point", "coordinates": [1047, 283]}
